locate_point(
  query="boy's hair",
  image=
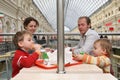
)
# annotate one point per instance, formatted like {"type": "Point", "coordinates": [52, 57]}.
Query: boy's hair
{"type": "Point", "coordinates": [105, 44]}
{"type": "Point", "coordinates": [19, 36]}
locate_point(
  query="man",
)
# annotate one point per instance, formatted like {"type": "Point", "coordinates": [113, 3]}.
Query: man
{"type": "Point", "coordinates": [87, 37]}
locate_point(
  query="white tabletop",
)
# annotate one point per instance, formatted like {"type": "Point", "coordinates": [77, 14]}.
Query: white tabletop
{"type": "Point", "coordinates": [80, 68]}
{"type": "Point", "coordinates": [67, 76]}
{"type": "Point", "coordinates": [77, 72]}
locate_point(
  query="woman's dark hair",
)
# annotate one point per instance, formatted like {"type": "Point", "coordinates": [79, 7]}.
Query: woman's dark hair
{"type": "Point", "coordinates": [28, 20]}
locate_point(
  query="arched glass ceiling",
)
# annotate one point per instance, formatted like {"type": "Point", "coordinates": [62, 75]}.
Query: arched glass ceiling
{"type": "Point", "coordinates": [72, 11]}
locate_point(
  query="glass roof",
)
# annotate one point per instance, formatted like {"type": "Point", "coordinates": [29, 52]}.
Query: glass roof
{"type": "Point", "coordinates": [72, 11]}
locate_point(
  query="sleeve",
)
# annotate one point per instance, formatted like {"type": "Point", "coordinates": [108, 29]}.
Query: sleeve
{"type": "Point", "coordinates": [101, 61]}
{"type": "Point", "coordinates": [88, 44]}
{"type": "Point", "coordinates": [27, 61]}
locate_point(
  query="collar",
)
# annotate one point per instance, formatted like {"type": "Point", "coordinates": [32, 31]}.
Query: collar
{"type": "Point", "coordinates": [22, 50]}
{"type": "Point", "coordinates": [87, 31]}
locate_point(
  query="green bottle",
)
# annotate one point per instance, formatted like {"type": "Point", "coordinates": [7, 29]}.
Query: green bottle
{"type": "Point", "coordinates": [44, 55]}
{"type": "Point", "coordinates": [81, 53]}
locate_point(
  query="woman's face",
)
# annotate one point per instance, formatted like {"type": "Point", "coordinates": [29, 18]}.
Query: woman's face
{"type": "Point", "coordinates": [32, 26]}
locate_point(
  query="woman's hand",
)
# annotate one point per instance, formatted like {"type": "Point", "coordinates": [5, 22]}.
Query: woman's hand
{"type": "Point", "coordinates": [47, 49]}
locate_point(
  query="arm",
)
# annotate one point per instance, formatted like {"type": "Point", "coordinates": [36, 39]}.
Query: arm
{"type": "Point", "coordinates": [28, 61]}
{"type": "Point", "coordinates": [101, 61]}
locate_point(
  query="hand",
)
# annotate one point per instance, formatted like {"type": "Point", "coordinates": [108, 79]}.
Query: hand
{"type": "Point", "coordinates": [74, 55]}
{"type": "Point", "coordinates": [47, 49]}
{"type": "Point", "coordinates": [36, 47]}
{"type": "Point", "coordinates": [77, 56]}
{"type": "Point", "coordinates": [52, 50]}
{"type": "Point", "coordinates": [72, 50]}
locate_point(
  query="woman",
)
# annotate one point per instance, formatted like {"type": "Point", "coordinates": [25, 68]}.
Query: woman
{"type": "Point", "coordinates": [31, 24]}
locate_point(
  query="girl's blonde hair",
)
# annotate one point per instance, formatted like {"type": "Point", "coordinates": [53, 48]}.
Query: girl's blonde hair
{"type": "Point", "coordinates": [105, 44]}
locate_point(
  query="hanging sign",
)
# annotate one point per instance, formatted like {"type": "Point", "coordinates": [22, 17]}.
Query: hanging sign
{"type": "Point", "coordinates": [108, 24]}
{"type": "Point", "coordinates": [119, 20]}
{"type": "Point", "coordinates": [111, 29]}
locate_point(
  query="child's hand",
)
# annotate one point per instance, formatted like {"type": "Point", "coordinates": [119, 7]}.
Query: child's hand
{"type": "Point", "coordinates": [47, 49]}
{"type": "Point", "coordinates": [77, 56]}
{"type": "Point", "coordinates": [37, 47]}
{"type": "Point", "coordinates": [74, 55]}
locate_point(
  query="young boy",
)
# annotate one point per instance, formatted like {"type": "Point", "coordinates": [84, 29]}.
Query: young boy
{"type": "Point", "coordinates": [102, 50]}
{"type": "Point", "coordinates": [23, 42]}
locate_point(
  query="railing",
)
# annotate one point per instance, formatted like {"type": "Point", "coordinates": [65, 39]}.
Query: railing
{"type": "Point", "coordinates": [71, 39]}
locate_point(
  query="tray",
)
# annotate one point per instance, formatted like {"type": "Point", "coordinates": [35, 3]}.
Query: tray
{"type": "Point", "coordinates": [40, 64]}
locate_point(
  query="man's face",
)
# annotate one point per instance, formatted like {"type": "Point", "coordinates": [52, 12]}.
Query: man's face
{"type": "Point", "coordinates": [83, 26]}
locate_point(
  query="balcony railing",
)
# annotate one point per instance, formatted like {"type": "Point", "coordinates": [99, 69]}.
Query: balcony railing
{"type": "Point", "coordinates": [71, 39]}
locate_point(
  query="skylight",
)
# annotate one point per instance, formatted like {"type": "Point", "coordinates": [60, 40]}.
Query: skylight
{"type": "Point", "coordinates": [73, 10]}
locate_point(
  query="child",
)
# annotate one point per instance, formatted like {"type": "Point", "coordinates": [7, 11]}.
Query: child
{"type": "Point", "coordinates": [23, 42]}
{"type": "Point", "coordinates": [102, 50]}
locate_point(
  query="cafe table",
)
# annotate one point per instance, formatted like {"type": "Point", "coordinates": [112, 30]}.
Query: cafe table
{"type": "Point", "coordinates": [67, 76]}
{"type": "Point", "coordinates": [76, 72]}
{"type": "Point", "coordinates": [80, 71]}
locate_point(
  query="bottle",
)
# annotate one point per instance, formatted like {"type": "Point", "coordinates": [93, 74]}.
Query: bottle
{"type": "Point", "coordinates": [44, 55]}
{"type": "Point", "coordinates": [45, 58]}
{"type": "Point", "coordinates": [82, 53]}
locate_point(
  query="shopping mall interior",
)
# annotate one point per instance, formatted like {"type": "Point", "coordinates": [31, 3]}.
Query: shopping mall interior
{"type": "Point", "coordinates": [58, 27]}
